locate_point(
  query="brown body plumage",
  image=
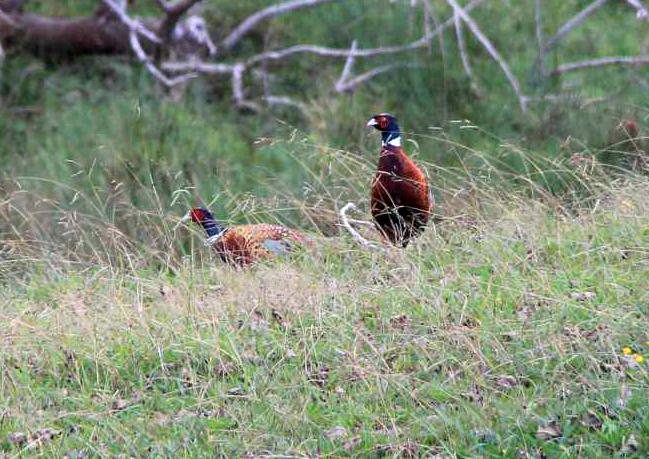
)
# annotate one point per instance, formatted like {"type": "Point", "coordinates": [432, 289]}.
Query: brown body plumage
{"type": "Point", "coordinates": [243, 245]}
{"type": "Point", "coordinates": [400, 200]}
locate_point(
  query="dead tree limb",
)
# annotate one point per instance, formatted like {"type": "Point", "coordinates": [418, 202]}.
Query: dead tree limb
{"type": "Point", "coordinates": [573, 22]}
{"type": "Point", "coordinates": [491, 49]}
{"type": "Point", "coordinates": [641, 11]}
{"type": "Point", "coordinates": [274, 10]}
{"type": "Point", "coordinates": [464, 55]}
{"type": "Point", "coordinates": [347, 69]}
{"type": "Point", "coordinates": [352, 83]}
{"type": "Point", "coordinates": [135, 29]}
{"type": "Point", "coordinates": [601, 62]}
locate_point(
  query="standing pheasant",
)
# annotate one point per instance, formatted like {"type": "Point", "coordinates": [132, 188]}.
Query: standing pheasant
{"type": "Point", "coordinates": [400, 200]}
{"type": "Point", "coordinates": [242, 245]}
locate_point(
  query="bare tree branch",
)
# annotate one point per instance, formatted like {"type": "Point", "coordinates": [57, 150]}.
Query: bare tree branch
{"type": "Point", "coordinates": [601, 62]}
{"type": "Point", "coordinates": [538, 22]}
{"type": "Point", "coordinates": [347, 70]}
{"type": "Point", "coordinates": [642, 12]}
{"type": "Point", "coordinates": [135, 29]}
{"type": "Point", "coordinates": [355, 234]}
{"type": "Point", "coordinates": [513, 81]}
{"type": "Point", "coordinates": [286, 101]}
{"type": "Point", "coordinates": [275, 10]}
{"type": "Point", "coordinates": [131, 24]}
{"type": "Point", "coordinates": [364, 53]}
{"type": "Point", "coordinates": [150, 66]}
{"type": "Point", "coordinates": [573, 22]}
{"type": "Point", "coordinates": [173, 12]}
{"type": "Point", "coordinates": [238, 92]}
{"type": "Point", "coordinates": [464, 55]}
{"type": "Point", "coordinates": [206, 68]}
{"type": "Point", "coordinates": [351, 83]}
{"type": "Point", "coordinates": [345, 83]}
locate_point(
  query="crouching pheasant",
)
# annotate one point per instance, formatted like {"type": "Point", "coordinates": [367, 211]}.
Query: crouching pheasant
{"type": "Point", "coordinates": [243, 245]}
{"type": "Point", "coordinates": [400, 201]}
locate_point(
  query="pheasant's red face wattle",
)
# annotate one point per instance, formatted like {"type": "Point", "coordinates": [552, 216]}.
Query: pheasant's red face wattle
{"type": "Point", "coordinates": [198, 215]}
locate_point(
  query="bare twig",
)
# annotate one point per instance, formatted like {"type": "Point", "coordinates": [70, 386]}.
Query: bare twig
{"type": "Point", "coordinates": [347, 70]}
{"type": "Point", "coordinates": [513, 81]}
{"type": "Point", "coordinates": [131, 24]}
{"type": "Point", "coordinates": [601, 62]}
{"type": "Point", "coordinates": [150, 66]}
{"type": "Point", "coordinates": [431, 16]}
{"type": "Point", "coordinates": [642, 12]}
{"type": "Point", "coordinates": [345, 83]}
{"type": "Point", "coordinates": [286, 101]}
{"type": "Point", "coordinates": [428, 20]}
{"type": "Point", "coordinates": [198, 67]}
{"type": "Point", "coordinates": [237, 89]}
{"type": "Point", "coordinates": [538, 21]}
{"type": "Point", "coordinates": [275, 10]}
{"type": "Point", "coordinates": [573, 22]}
{"type": "Point", "coordinates": [136, 29]}
{"type": "Point", "coordinates": [352, 83]}
{"type": "Point", "coordinates": [323, 51]}
{"type": "Point", "coordinates": [463, 54]}
{"type": "Point", "coordinates": [355, 234]}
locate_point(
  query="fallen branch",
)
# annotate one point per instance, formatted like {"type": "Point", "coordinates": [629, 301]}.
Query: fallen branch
{"type": "Point", "coordinates": [286, 101]}
{"type": "Point", "coordinates": [135, 29]}
{"type": "Point", "coordinates": [538, 26]}
{"type": "Point", "coordinates": [573, 22]}
{"type": "Point", "coordinates": [355, 234]}
{"type": "Point", "coordinates": [132, 24]}
{"type": "Point", "coordinates": [347, 69]}
{"type": "Point", "coordinates": [352, 83]}
{"type": "Point", "coordinates": [345, 83]}
{"type": "Point", "coordinates": [464, 56]}
{"type": "Point", "coordinates": [513, 81]}
{"type": "Point", "coordinates": [601, 62]}
{"type": "Point", "coordinates": [642, 12]}
{"type": "Point", "coordinates": [275, 10]}
{"type": "Point", "coordinates": [151, 67]}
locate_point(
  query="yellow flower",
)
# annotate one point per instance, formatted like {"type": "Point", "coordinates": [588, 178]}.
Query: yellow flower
{"type": "Point", "coordinates": [638, 358]}
{"type": "Point", "coordinates": [626, 351]}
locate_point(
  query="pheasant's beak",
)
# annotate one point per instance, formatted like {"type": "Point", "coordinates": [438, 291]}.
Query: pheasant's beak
{"type": "Point", "coordinates": [371, 122]}
{"type": "Point", "coordinates": [187, 217]}
{"type": "Point", "coordinates": [183, 221]}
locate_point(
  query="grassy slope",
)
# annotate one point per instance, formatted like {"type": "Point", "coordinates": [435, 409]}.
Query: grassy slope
{"type": "Point", "coordinates": [466, 344]}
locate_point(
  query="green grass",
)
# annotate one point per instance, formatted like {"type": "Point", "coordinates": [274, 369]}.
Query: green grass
{"type": "Point", "coordinates": [470, 343]}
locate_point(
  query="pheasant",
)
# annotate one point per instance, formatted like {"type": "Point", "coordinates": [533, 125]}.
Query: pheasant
{"type": "Point", "coordinates": [243, 245]}
{"type": "Point", "coordinates": [400, 201]}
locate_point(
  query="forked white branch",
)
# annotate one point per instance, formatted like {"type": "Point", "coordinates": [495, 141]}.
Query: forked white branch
{"type": "Point", "coordinates": [355, 234]}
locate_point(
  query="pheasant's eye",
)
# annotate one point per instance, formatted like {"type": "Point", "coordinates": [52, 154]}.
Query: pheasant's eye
{"type": "Point", "coordinates": [197, 215]}
{"type": "Point", "coordinates": [383, 123]}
